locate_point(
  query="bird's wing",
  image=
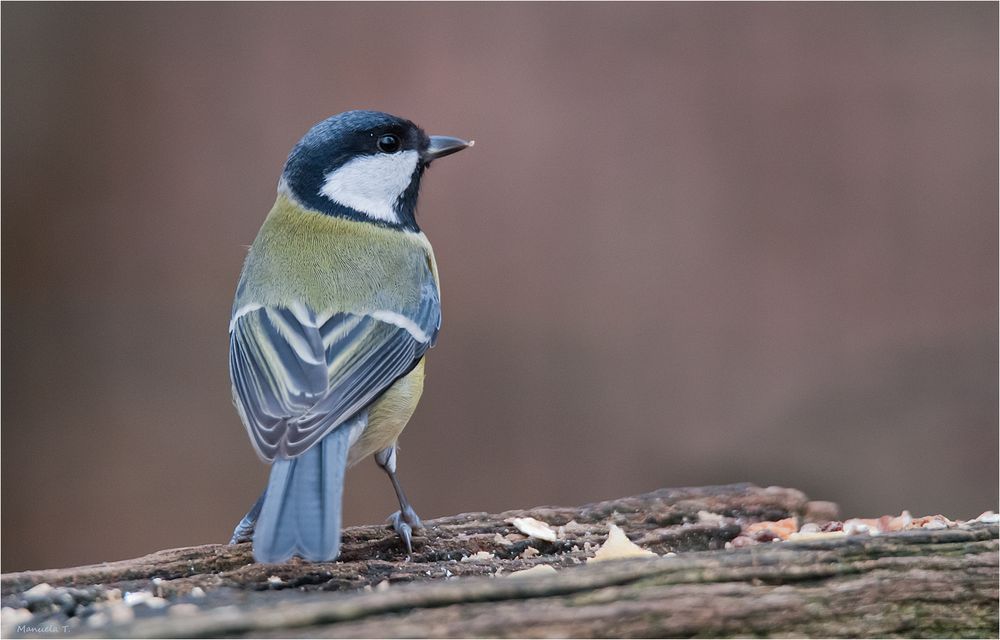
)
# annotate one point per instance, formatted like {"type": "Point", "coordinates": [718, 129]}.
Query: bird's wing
{"type": "Point", "coordinates": [297, 373]}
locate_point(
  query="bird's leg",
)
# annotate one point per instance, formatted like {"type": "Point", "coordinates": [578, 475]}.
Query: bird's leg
{"type": "Point", "coordinates": [244, 530]}
{"type": "Point", "coordinates": [405, 520]}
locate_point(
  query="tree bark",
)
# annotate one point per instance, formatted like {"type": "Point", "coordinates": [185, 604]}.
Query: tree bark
{"type": "Point", "coordinates": [913, 583]}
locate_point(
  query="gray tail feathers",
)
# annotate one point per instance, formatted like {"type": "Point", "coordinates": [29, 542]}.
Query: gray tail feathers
{"type": "Point", "coordinates": [301, 512]}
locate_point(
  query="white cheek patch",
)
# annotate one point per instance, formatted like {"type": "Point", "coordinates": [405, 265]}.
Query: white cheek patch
{"type": "Point", "coordinates": [372, 184]}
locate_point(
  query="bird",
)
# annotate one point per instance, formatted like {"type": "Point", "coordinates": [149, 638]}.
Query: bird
{"type": "Point", "coordinates": [337, 304]}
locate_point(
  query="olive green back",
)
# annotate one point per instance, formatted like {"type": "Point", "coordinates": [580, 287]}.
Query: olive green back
{"type": "Point", "coordinates": [334, 264]}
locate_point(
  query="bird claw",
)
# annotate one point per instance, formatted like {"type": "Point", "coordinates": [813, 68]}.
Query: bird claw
{"type": "Point", "coordinates": [404, 522]}
{"type": "Point", "coordinates": [242, 533]}
{"type": "Point", "coordinates": [411, 517]}
{"type": "Point", "coordinates": [244, 530]}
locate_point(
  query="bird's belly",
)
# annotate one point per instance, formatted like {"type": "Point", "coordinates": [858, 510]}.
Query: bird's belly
{"type": "Point", "coordinates": [388, 415]}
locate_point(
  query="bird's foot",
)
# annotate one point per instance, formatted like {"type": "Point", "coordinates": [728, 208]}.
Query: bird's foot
{"type": "Point", "coordinates": [404, 522]}
{"type": "Point", "coordinates": [243, 532]}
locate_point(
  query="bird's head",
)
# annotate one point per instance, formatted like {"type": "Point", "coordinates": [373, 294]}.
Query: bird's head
{"type": "Point", "coordinates": [364, 165]}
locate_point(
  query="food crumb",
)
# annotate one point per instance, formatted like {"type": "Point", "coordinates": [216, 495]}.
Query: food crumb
{"type": "Point", "coordinates": [535, 529]}
{"type": "Point", "coordinates": [618, 546]}
{"type": "Point", "coordinates": [900, 522]}
{"type": "Point", "coordinates": [818, 529]}
{"type": "Point", "coordinates": [40, 589]}
{"type": "Point", "coordinates": [815, 535]}
{"type": "Point", "coordinates": [539, 570]}
{"type": "Point", "coordinates": [479, 555]}
{"type": "Point", "coordinates": [766, 531]}
{"type": "Point", "coordinates": [707, 517]}
{"type": "Point", "coordinates": [854, 526]}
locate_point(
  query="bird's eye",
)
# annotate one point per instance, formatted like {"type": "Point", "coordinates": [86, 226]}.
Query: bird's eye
{"type": "Point", "coordinates": [389, 143]}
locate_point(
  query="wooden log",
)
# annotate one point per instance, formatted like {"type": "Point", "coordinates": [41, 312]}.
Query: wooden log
{"type": "Point", "coordinates": [457, 583]}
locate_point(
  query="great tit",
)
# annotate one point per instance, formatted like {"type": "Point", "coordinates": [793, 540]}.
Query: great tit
{"type": "Point", "coordinates": [336, 306]}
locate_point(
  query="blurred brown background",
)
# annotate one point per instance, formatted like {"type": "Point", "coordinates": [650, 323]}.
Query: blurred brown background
{"type": "Point", "coordinates": [695, 243]}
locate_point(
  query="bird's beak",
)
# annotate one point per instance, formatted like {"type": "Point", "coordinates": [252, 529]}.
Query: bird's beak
{"type": "Point", "coordinates": [442, 146]}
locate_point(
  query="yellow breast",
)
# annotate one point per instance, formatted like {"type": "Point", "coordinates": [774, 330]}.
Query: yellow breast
{"type": "Point", "coordinates": [388, 415]}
